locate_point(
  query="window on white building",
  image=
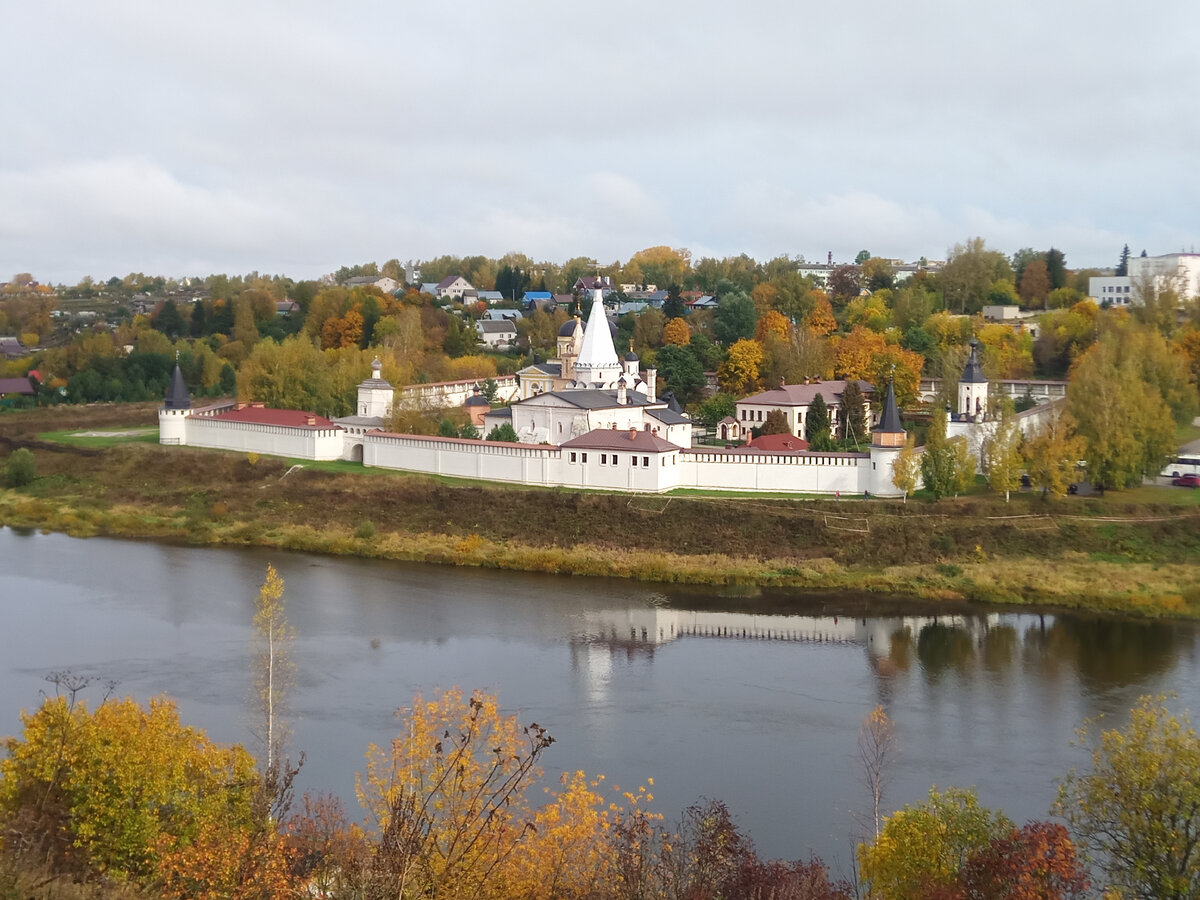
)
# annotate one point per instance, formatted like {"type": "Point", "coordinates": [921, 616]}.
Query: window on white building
{"type": "Point", "coordinates": [572, 457]}
{"type": "Point", "coordinates": [583, 457]}
{"type": "Point", "coordinates": [633, 460]}
{"type": "Point", "coordinates": [646, 462]}
{"type": "Point", "coordinates": [604, 459]}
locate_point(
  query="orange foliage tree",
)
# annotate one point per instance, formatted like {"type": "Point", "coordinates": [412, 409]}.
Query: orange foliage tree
{"type": "Point", "coordinates": [867, 355]}
{"type": "Point", "coordinates": [772, 322]}
{"type": "Point", "coordinates": [820, 319]}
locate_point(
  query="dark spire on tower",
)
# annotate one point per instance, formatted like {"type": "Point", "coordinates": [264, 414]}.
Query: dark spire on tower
{"type": "Point", "coordinates": [177, 394]}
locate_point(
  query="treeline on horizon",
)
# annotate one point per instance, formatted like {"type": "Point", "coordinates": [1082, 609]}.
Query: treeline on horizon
{"type": "Point", "coordinates": [770, 324]}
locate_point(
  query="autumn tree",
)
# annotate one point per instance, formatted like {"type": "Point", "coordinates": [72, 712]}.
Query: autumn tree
{"type": "Point", "coordinates": [876, 753]}
{"type": "Point", "coordinates": [922, 848]}
{"type": "Point", "coordinates": [843, 283]}
{"type": "Point", "coordinates": [1052, 453]}
{"type": "Point", "coordinates": [101, 790]}
{"type": "Point", "coordinates": [939, 459]}
{"type": "Point", "coordinates": [1127, 393]}
{"type": "Point", "coordinates": [1002, 451]}
{"type": "Point", "coordinates": [676, 332]}
{"type": "Point", "coordinates": [1035, 283]}
{"type": "Point", "coordinates": [773, 322]}
{"type": "Point", "coordinates": [739, 372]}
{"type": "Point", "coordinates": [964, 465]}
{"type": "Point", "coordinates": [447, 800]}
{"type": "Point", "coordinates": [820, 320]}
{"type": "Point", "coordinates": [906, 471]}
{"type": "Point", "coordinates": [274, 670]}
{"type": "Point", "coordinates": [1035, 862]}
{"type": "Point", "coordinates": [817, 425]}
{"type": "Point", "coordinates": [969, 272]}
{"type": "Point", "coordinates": [1137, 811]}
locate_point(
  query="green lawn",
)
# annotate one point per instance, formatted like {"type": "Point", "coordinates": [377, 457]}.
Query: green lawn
{"type": "Point", "coordinates": [104, 437]}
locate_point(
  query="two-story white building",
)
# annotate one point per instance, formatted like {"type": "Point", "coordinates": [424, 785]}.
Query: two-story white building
{"type": "Point", "coordinates": [794, 401]}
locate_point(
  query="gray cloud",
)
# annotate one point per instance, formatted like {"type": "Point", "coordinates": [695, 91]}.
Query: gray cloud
{"type": "Point", "coordinates": [300, 136]}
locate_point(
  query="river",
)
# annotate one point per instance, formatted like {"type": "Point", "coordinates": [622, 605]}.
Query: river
{"type": "Point", "coordinates": [754, 700]}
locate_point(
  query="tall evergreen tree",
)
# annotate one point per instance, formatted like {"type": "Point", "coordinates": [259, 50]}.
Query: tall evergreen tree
{"type": "Point", "coordinates": [1056, 268]}
{"type": "Point", "coordinates": [199, 323]}
{"type": "Point", "coordinates": [1123, 264]}
{"type": "Point", "coordinates": [816, 425]}
{"type": "Point", "coordinates": [854, 421]}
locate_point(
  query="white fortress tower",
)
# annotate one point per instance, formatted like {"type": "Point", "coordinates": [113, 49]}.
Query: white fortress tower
{"type": "Point", "coordinates": [887, 440]}
{"type": "Point", "coordinates": [973, 387]}
{"type": "Point", "coordinates": [173, 416]}
{"type": "Point", "coordinates": [375, 395]}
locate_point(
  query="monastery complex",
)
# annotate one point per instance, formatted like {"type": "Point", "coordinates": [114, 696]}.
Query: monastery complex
{"type": "Point", "coordinates": [587, 419]}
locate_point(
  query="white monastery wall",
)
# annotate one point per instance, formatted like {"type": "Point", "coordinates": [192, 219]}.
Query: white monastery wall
{"type": "Point", "coordinates": [274, 440]}
{"type": "Point", "coordinates": [441, 394]}
{"type": "Point", "coordinates": [818, 473]}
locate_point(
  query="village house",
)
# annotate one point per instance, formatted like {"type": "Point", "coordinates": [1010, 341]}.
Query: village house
{"type": "Point", "coordinates": [794, 401]}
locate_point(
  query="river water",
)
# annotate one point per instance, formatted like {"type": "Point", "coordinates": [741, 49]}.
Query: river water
{"type": "Point", "coordinates": [753, 700]}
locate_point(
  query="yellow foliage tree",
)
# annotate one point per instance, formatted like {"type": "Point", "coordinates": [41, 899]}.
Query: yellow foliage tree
{"type": "Point", "coordinates": [676, 332]}
{"type": "Point", "coordinates": [447, 801]}
{"type": "Point", "coordinates": [111, 785]}
{"type": "Point", "coordinates": [738, 374]}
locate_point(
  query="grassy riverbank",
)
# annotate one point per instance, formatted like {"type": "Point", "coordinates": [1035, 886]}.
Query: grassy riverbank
{"type": "Point", "coordinates": [1137, 552]}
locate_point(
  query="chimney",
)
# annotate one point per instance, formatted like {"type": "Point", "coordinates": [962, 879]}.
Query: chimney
{"type": "Point", "coordinates": [651, 382]}
{"type": "Point", "coordinates": [622, 394]}
{"type": "Point", "coordinates": [310, 420]}
{"type": "Point", "coordinates": [241, 404]}
{"type": "Point", "coordinates": [632, 433]}
{"type": "Point", "coordinates": [257, 404]}
{"type": "Point", "coordinates": [782, 381]}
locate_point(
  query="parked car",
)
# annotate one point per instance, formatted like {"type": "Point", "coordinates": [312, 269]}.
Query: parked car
{"type": "Point", "coordinates": [1025, 482]}
{"type": "Point", "coordinates": [1192, 481]}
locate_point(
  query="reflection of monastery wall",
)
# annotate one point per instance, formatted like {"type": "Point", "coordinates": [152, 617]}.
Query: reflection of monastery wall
{"type": "Point", "coordinates": [660, 626]}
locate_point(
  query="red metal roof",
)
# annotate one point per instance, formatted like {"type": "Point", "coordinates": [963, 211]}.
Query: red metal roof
{"type": "Point", "coordinates": [287, 418]}
{"type": "Point", "coordinates": [613, 439]}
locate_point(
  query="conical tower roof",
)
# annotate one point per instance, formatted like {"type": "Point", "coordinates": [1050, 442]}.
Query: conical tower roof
{"type": "Point", "coordinates": [598, 351]}
{"type": "Point", "coordinates": [889, 422]}
{"type": "Point", "coordinates": [177, 393]}
{"type": "Point", "coordinates": [973, 371]}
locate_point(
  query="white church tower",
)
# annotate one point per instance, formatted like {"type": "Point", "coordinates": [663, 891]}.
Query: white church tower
{"type": "Point", "coordinates": [597, 365]}
{"type": "Point", "coordinates": [375, 395]}
{"type": "Point", "coordinates": [973, 387]}
{"type": "Point", "coordinates": [173, 416]}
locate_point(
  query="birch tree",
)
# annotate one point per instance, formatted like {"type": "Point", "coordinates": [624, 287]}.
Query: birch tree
{"type": "Point", "coordinates": [1002, 450]}
{"type": "Point", "coordinates": [274, 671]}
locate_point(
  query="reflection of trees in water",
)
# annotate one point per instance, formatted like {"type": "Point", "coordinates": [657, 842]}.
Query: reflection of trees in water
{"type": "Point", "coordinates": [1108, 653]}
{"type": "Point", "coordinates": [943, 647]}
{"type": "Point", "coordinates": [999, 648]}
{"type": "Point", "coordinates": [1101, 653]}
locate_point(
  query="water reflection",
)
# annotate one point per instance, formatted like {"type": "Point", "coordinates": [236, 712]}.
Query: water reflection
{"type": "Point", "coordinates": [754, 699]}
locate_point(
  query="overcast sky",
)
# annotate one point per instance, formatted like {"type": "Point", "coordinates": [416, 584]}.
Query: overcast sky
{"type": "Point", "coordinates": [296, 137]}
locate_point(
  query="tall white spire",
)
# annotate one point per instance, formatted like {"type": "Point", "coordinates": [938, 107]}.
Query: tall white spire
{"type": "Point", "coordinates": [598, 361]}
